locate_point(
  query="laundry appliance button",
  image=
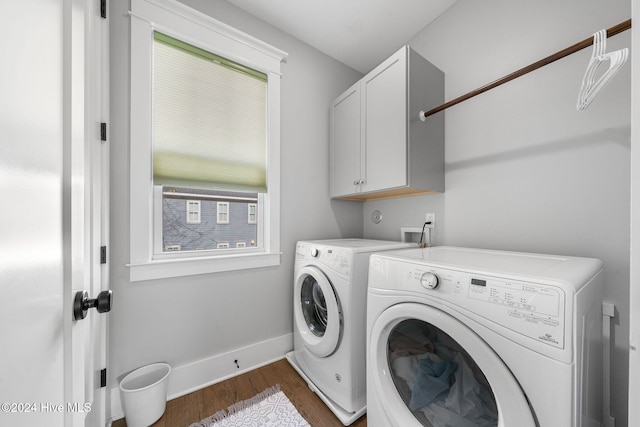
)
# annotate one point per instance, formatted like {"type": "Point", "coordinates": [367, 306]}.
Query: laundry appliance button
{"type": "Point", "coordinates": [429, 281]}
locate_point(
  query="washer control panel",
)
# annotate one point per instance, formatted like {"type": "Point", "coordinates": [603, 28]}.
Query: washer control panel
{"type": "Point", "coordinates": [534, 310]}
{"type": "Point", "coordinates": [337, 259]}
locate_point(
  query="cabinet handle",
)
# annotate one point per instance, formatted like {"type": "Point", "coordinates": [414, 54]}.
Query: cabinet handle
{"type": "Point", "coordinates": [356, 182]}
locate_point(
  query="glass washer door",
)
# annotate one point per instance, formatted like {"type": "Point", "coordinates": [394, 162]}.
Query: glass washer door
{"type": "Point", "coordinates": [429, 369]}
{"type": "Point", "coordinates": [317, 311]}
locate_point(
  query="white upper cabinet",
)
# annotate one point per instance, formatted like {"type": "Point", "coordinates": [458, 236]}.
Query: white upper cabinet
{"type": "Point", "coordinates": [379, 146]}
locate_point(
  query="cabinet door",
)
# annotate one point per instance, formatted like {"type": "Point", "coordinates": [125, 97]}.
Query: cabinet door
{"type": "Point", "coordinates": [384, 124]}
{"type": "Point", "coordinates": [345, 143]}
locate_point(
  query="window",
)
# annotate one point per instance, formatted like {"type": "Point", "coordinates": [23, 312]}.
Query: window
{"type": "Point", "coordinates": [241, 244]}
{"type": "Point", "coordinates": [178, 234]}
{"type": "Point", "coordinates": [205, 114]}
{"type": "Point", "coordinates": [252, 210]}
{"type": "Point", "coordinates": [193, 211]}
{"type": "Point", "coordinates": [223, 212]}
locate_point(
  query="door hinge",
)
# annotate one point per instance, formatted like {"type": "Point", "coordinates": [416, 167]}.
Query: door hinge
{"type": "Point", "coordinates": [103, 254]}
{"type": "Point", "coordinates": [103, 9]}
{"type": "Point", "coordinates": [103, 378]}
{"type": "Point", "coordinates": [103, 131]}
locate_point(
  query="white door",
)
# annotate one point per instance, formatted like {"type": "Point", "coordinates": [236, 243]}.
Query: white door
{"type": "Point", "coordinates": [51, 215]}
{"type": "Point", "coordinates": [430, 369]}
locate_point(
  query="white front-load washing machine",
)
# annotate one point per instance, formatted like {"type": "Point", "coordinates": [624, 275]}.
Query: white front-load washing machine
{"type": "Point", "coordinates": [329, 299]}
{"type": "Point", "coordinates": [465, 337]}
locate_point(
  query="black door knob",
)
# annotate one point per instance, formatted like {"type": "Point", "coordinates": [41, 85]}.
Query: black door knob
{"type": "Point", "coordinates": [82, 303]}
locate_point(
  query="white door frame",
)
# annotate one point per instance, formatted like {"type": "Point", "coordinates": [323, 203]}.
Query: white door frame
{"type": "Point", "coordinates": [97, 193]}
{"type": "Point", "coordinates": [634, 304]}
{"type": "Point", "coordinates": [85, 207]}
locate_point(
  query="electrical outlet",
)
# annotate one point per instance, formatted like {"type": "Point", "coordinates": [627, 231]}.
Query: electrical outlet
{"type": "Point", "coordinates": [430, 218]}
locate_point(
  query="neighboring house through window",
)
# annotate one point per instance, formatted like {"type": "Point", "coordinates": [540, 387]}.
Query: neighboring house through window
{"type": "Point", "coordinates": [179, 234]}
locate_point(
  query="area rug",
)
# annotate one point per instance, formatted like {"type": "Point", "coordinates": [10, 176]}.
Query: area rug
{"type": "Point", "coordinates": [270, 408]}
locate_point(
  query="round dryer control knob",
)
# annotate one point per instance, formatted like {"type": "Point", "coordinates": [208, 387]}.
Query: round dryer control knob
{"type": "Point", "coordinates": [429, 280]}
{"type": "Point", "coordinates": [314, 252]}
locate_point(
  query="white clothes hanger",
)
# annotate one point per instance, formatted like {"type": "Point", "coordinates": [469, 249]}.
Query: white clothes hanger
{"type": "Point", "coordinates": [591, 87]}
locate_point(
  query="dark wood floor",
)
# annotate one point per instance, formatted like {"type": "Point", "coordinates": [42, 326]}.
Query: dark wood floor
{"type": "Point", "coordinates": [193, 407]}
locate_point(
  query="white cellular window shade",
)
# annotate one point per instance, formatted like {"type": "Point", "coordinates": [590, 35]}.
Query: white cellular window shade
{"type": "Point", "coordinates": [209, 120]}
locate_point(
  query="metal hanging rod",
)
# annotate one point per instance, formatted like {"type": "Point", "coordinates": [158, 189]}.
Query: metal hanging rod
{"type": "Point", "coordinates": [616, 29]}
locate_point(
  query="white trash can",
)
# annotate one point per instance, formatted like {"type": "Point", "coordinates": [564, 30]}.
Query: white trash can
{"type": "Point", "coordinates": [144, 394]}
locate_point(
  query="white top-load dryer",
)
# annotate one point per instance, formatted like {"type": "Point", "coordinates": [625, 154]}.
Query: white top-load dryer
{"type": "Point", "coordinates": [465, 337]}
{"type": "Point", "coordinates": [329, 299]}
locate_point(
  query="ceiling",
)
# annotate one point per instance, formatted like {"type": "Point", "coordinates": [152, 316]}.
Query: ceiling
{"type": "Point", "coordinates": [358, 33]}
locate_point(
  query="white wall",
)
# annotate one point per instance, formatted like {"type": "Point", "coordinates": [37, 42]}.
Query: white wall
{"type": "Point", "coordinates": [193, 318]}
{"type": "Point", "coordinates": [525, 171]}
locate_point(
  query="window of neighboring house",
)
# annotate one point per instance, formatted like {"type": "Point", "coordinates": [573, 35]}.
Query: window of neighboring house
{"type": "Point", "coordinates": [223, 213]}
{"type": "Point", "coordinates": [252, 210]}
{"type": "Point", "coordinates": [241, 244]}
{"type": "Point", "coordinates": [193, 211]}
{"type": "Point", "coordinates": [205, 114]}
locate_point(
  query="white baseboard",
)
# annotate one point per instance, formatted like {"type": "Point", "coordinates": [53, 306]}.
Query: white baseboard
{"type": "Point", "coordinates": [194, 376]}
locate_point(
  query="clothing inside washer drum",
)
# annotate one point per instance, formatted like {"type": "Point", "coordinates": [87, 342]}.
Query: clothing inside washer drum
{"type": "Point", "coordinates": [437, 379]}
{"type": "Point", "coordinates": [314, 306]}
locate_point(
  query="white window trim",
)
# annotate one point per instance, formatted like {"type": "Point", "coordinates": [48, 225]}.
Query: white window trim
{"type": "Point", "coordinates": [189, 211]}
{"type": "Point", "coordinates": [218, 212]}
{"type": "Point", "coordinates": [178, 20]}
